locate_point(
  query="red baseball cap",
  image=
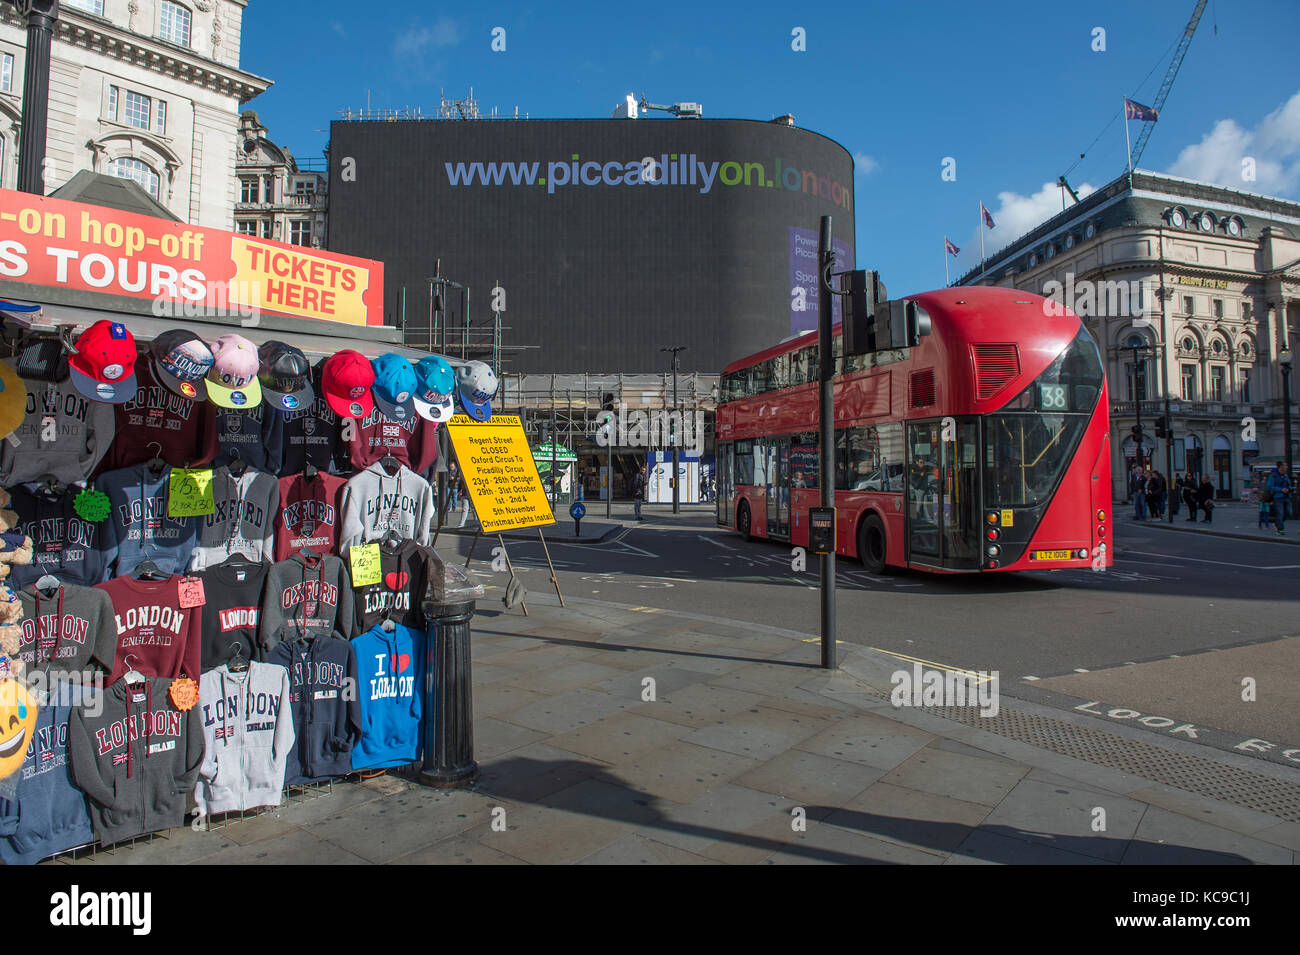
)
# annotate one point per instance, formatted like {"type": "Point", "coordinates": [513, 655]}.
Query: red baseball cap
{"type": "Point", "coordinates": [102, 366]}
{"type": "Point", "coordinates": [346, 381]}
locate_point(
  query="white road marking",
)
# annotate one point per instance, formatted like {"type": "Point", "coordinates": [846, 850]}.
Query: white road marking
{"type": "Point", "coordinates": [716, 543]}
{"type": "Point", "coordinates": [1220, 563]}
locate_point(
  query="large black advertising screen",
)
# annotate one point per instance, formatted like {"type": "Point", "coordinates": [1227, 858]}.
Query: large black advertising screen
{"type": "Point", "coordinates": [610, 239]}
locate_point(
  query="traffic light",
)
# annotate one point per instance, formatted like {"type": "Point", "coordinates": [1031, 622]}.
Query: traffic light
{"type": "Point", "coordinates": [1162, 427]}
{"type": "Point", "coordinates": [866, 293]}
{"type": "Point", "coordinates": [1136, 431]}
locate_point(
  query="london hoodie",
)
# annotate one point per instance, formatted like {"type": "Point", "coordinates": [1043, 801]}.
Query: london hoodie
{"type": "Point", "coordinates": [49, 813]}
{"type": "Point", "coordinates": [63, 434]}
{"type": "Point", "coordinates": [67, 631]}
{"type": "Point", "coordinates": [370, 438]}
{"type": "Point", "coordinates": [155, 634]}
{"type": "Point", "coordinates": [254, 435]}
{"type": "Point", "coordinates": [399, 593]}
{"type": "Point", "coordinates": [138, 525]}
{"type": "Point", "coordinates": [375, 502]}
{"type": "Point", "coordinates": [326, 711]}
{"type": "Point", "coordinates": [234, 590]}
{"type": "Point", "coordinates": [136, 758]}
{"type": "Point", "coordinates": [247, 735]}
{"type": "Point", "coordinates": [305, 593]}
{"type": "Point", "coordinates": [63, 544]}
{"type": "Point", "coordinates": [391, 665]}
{"type": "Point", "coordinates": [310, 511]}
{"type": "Point", "coordinates": [186, 430]}
{"type": "Point", "coordinates": [243, 521]}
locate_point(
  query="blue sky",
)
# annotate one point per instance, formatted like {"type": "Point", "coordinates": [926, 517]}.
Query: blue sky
{"type": "Point", "coordinates": [1011, 90]}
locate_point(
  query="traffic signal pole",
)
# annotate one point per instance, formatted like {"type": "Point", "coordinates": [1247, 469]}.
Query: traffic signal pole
{"type": "Point", "coordinates": [826, 376]}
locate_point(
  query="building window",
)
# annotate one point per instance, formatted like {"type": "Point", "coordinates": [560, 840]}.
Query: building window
{"type": "Point", "coordinates": [160, 119]}
{"type": "Point", "coordinates": [135, 110]}
{"type": "Point", "coordinates": [1246, 311]}
{"type": "Point", "coordinates": [1187, 305]}
{"type": "Point", "coordinates": [1218, 308]}
{"type": "Point", "coordinates": [265, 230]}
{"type": "Point", "coordinates": [300, 232]}
{"type": "Point", "coordinates": [1245, 384]}
{"type": "Point", "coordinates": [142, 173]}
{"type": "Point", "coordinates": [1216, 383]}
{"type": "Point", "coordinates": [246, 227]}
{"type": "Point", "coordinates": [1189, 382]}
{"type": "Point", "coordinates": [112, 102]}
{"type": "Point", "coordinates": [90, 6]}
{"type": "Point", "coordinates": [1137, 386]}
{"type": "Point", "coordinates": [7, 72]}
{"type": "Point", "coordinates": [248, 190]}
{"type": "Point", "coordinates": [174, 23]}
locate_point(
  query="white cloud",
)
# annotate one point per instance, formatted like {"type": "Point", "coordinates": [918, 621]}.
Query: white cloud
{"type": "Point", "coordinates": [864, 165]}
{"type": "Point", "coordinates": [1014, 216]}
{"type": "Point", "coordinates": [1274, 145]}
{"type": "Point", "coordinates": [417, 41]}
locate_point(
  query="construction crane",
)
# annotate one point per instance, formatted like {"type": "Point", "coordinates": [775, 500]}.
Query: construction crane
{"type": "Point", "coordinates": [1183, 43]}
{"type": "Point", "coordinates": [681, 110]}
{"type": "Point", "coordinates": [1161, 96]}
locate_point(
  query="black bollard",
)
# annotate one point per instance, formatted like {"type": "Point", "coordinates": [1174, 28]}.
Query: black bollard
{"type": "Point", "coordinates": [448, 704]}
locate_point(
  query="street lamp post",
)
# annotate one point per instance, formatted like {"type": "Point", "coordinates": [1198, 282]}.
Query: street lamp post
{"type": "Point", "coordinates": [672, 427]}
{"type": "Point", "coordinates": [1284, 361]}
{"type": "Point", "coordinates": [41, 16]}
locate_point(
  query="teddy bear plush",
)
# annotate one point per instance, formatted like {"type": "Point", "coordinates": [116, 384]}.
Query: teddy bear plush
{"type": "Point", "coordinates": [15, 548]}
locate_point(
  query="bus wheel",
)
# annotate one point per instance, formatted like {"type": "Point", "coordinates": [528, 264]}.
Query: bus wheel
{"type": "Point", "coordinates": [743, 522]}
{"type": "Point", "coordinates": [871, 544]}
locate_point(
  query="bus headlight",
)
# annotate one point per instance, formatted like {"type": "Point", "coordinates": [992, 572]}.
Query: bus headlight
{"type": "Point", "coordinates": [993, 550]}
{"type": "Point", "coordinates": [994, 533]}
{"type": "Point", "coordinates": [1083, 553]}
{"type": "Point", "coordinates": [1101, 515]}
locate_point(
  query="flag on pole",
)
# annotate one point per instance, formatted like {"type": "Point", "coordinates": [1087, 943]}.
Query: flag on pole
{"type": "Point", "coordinates": [988, 217]}
{"type": "Point", "coordinates": [949, 247]}
{"type": "Point", "coordinates": [1134, 110]}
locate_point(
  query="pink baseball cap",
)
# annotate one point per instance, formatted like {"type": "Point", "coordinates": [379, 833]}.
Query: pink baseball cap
{"type": "Point", "coordinates": [232, 381]}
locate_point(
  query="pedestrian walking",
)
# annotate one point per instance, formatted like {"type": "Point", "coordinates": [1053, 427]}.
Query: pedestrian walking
{"type": "Point", "coordinates": [638, 491]}
{"type": "Point", "coordinates": [1205, 499]}
{"type": "Point", "coordinates": [1265, 498]}
{"type": "Point", "coordinates": [1140, 495]}
{"type": "Point", "coordinates": [1156, 494]}
{"type": "Point", "coordinates": [1189, 496]}
{"type": "Point", "coordinates": [1279, 491]}
{"type": "Point", "coordinates": [1176, 495]}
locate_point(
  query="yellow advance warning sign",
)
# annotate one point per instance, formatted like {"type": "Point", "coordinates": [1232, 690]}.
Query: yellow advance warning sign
{"type": "Point", "coordinates": [503, 482]}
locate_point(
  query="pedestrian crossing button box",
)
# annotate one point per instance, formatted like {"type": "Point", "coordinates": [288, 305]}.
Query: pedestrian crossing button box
{"type": "Point", "coordinates": [821, 530]}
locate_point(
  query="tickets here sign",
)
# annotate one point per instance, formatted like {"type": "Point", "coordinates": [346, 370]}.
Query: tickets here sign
{"type": "Point", "coordinates": [499, 471]}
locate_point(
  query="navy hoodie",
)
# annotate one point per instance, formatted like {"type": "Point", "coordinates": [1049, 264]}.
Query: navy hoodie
{"type": "Point", "coordinates": [49, 814]}
{"type": "Point", "coordinates": [390, 665]}
{"type": "Point", "coordinates": [63, 544]}
{"type": "Point", "coordinates": [326, 712]}
{"type": "Point", "coordinates": [254, 435]}
{"type": "Point", "coordinates": [138, 526]}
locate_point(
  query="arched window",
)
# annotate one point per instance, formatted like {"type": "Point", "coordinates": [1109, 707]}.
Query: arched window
{"type": "Point", "coordinates": [138, 170]}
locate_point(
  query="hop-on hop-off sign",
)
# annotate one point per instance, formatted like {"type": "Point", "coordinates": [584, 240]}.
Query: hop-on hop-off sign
{"type": "Point", "coordinates": [499, 471]}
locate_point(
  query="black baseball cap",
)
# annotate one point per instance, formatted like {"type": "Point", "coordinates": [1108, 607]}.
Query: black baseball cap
{"type": "Point", "coordinates": [42, 359]}
{"type": "Point", "coordinates": [285, 376]}
{"type": "Point", "coordinates": [181, 360]}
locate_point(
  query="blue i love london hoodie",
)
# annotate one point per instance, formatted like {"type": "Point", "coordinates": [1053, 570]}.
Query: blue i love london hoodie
{"type": "Point", "coordinates": [390, 666]}
{"type": "Point", "coordinates": [49, 814]}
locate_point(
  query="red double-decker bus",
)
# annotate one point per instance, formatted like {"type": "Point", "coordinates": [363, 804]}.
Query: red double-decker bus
{"type": "Point", "coordinates": [984, 448]}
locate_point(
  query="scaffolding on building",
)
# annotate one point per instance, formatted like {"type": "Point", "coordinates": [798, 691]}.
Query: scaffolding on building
{"type": "Point", "coordinates": [464, 108]}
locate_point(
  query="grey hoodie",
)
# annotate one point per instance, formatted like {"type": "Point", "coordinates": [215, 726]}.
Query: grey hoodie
{"type": "Point", "coordinates": [247, 734]}
{"type": "Point", "coordinates": [305, 594]}
{"type": "Point", "coordinates": [64, 632]}
{"type": "Point", "coordinates": [244, 519]}
{"type": "Point", "coordinates": [375, 502]}
{"type": "Point", "coordinates": [136, 757]}
{"type": "Point", "coordinates": [63, 434]}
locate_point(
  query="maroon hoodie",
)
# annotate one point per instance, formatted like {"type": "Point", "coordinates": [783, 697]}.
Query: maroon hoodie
{"type": "Point", "coordinates": [186, 430]}
{"type": "Point", "coordinates": [154, 634]}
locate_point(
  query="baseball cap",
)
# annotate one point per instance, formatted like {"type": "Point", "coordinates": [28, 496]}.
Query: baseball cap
{"type": "Point", "coordinates": [476, 384]}
{"type": "Point", "coordinates": [42, 359]}
{"type": "Point", "coordinates": [435, 383]}
{"type": "Point", "coordinates": [394, 386]}
{"type": "Point", "coordinates": [232, 380]}
{"type": "Point", "coordinates": [102, 366]}
{"type": "Point", "coordinates": [13, 400]}
{"type": "Point", "coordinates": [285, 375]}
{"type": "Point", "coordinates": [181, 360]}
{"type": "Point", "coordinates": [346, 381]}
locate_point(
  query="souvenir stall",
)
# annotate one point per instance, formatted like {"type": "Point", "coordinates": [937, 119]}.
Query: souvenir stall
{"type": "Point", "coordinates": [217, 468]}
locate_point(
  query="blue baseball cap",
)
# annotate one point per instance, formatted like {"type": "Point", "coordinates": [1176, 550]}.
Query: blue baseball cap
{"type": "Point", "coordinates": [436, 382]}
{"type": "Point", "coordinates": [394, 387]}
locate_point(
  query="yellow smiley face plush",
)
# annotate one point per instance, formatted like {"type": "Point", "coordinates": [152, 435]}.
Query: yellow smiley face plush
{"type": "Point", "coordinates": [17, 721]}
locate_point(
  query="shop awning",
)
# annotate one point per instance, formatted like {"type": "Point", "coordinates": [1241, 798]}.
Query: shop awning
{"type": "Point", "coordinates": [314, 338]}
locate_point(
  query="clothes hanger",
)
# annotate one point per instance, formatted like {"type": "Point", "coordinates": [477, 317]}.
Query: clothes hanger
{"type": "Point", "coordinates": [237, 663]}
{"type": "Point", "coordinates": [133, 675]}
{"type": "Point", "coordinates": [48, 585]}
{"type": "Point", "coordinates": [148, 570]}
{"type": "Point", "coordinates": [390, 464]}
{"type": "Point", "coordinates": [52, 485]}
{"type": "Point", "coordinates": [156, 463]}
{"type": "Point", "coordinates": [239, 560]}
{"type": "Point", "coordinates": [391, 537]}
{"type": "Point", "coordinates": [309, 471]}
{"type": "Point", "coordinates": [308, 552]}
{"type": "Point", "coordinates": [237, 465]}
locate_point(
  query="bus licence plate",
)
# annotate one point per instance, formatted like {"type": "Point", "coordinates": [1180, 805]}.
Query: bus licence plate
{"type": "Point", "coordinates": [1053, 554]}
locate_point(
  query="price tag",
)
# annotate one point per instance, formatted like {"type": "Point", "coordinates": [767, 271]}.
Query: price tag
{"type": "Point", "coordinates": [189, 493]}
{"type": "Point", "coordinates": [191, 593]}
{"type": "Point", "coordinates": [365, 564]}
{"type": "Point", "coordinates": [184, 693]}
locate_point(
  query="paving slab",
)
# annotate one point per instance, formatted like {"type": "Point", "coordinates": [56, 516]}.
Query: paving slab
{"type": "Point", "coordinates": [962, 777]}
{"type": "Point", "coordinates": [1064, 817]}
{"type": "Point", "coordinates": [910, 817]}
{"type": "Point", "coordinates": [810, 779]}
{"type": "Point", "coordinates": [295, 848]}
{"type": "Point", "coordinates": [681, 772]}
{"type": "Point", "coordinates": [826, 844]}
{"type": "Point", "coordinates": [1168, 838]}
{"type": "Point", "coordinates": [868, 739]}
{"type": "Point", "coordinates": [760, 732]}
{"type": "Point", "coordinates": [996, 848]}
{"type": "Point", "coordinates": [636, 849]}
{"type": "Point", "coordinates": [616, 738]}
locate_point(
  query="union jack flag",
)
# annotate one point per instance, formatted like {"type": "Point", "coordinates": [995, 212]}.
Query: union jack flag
{"type": "Point", "coordinates": [988, 217]}
{"type": "Point", "coordinates": [119, 759]}
{"type": "Point", "coordinates": [227, 732]}
{"type": "Point", "coordinates": [1134, 110]}
{"type": "Point", "coordinates": [949, 247]}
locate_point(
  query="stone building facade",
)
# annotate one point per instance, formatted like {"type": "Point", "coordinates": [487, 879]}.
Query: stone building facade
{"type": "Point", "coordinates": [149, 90]}
{"type": "Point", "coordinates": [1205, 282]}
{"type": "Point", "coordinates": [279, 197]}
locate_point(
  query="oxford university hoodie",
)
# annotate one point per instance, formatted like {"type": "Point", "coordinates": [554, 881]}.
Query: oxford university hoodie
{"type": "Point", "coordinates": [254, 435]}
{"type": "Point", "coordinates": [391, 668]}
{"type": "Point", "coordinates": [138, 526]}
{"type": "Point", "coordinates": [136, 758]}
{"type": "Point", "coordinates": [310, 511]}
{"type": "Point", "coordinates": [243, 519]}
{"type": "Point", "coordinates": [375, 502]}
{"type": "Point", "coordinates": [326, 711]}
{"type": "Point", "coordinates": [63, 434]}
{"type": "Point", "coordinates": [49, 814]}
{"type": "Point", "coordinates": [247, 735]}
{"type": "Point", "coordinates": [62, 543]}
{"type": "Point", "coordinates": [305, 594]}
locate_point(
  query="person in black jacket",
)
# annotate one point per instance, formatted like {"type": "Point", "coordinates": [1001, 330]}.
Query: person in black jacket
{"type": "Point", "coordinates": [1205, 499]}
{"type": "Point", "coordinates": [638, 491]}
{"type": "Point", "coordinates": [1189, 496]}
